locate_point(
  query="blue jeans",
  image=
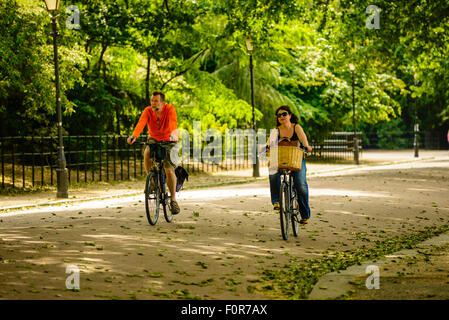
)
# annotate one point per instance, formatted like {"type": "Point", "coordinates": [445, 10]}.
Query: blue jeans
{"type": "Point", "coordinates": [302, 189]}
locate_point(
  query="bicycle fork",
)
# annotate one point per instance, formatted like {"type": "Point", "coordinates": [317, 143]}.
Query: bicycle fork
{"type": "Point", "coordinates": [162, 184]}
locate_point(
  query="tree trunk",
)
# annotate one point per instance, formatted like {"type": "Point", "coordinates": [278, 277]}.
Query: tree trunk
{"type": "Point", "coordinates": [147, 80]}
{"type": "Point", "coordinates": [100, 61]}
{"type": "Point", "coordinates": [324, 21]}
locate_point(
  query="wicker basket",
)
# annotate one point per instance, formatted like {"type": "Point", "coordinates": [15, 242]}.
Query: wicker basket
{"type": "Point", "coordinates": [289, 157]}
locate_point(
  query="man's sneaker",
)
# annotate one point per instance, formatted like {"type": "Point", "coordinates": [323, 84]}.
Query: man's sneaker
{"type": "Point", "coordinates": [276, 206]}
{"type": "Point", "coordinates": [174, 207]}
{"type": "Point", "coordinates": [304, 221]}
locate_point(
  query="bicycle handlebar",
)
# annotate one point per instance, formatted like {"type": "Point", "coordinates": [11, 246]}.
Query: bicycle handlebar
{"type": "Point", "coordinates": [162, 143]}
{"type": "Point", "coordinates": [301, 146]}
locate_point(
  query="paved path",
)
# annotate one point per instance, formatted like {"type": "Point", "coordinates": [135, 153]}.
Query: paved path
{"type": "Point", "coordinates": [221, 241]}
{"type": "Point", "coordinates": [112, 189]}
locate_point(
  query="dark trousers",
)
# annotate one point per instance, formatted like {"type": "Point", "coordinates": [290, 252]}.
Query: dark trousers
{"type": "Point", "coordinates": [301, 187]}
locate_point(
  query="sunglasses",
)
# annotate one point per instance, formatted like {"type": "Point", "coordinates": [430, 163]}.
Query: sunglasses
{"type": "Point", "coordinates": [283, 114]}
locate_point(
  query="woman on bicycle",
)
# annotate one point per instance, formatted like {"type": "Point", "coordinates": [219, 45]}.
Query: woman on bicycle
{"type": "Point", "coordinates": [288, 129]}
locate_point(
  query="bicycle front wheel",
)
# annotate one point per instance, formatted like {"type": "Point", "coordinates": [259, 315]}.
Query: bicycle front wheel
{"type": "Point", "coordinates": [284, 212]}
{"type": "Point", "coordinates": [294, 216]}
{"type": "Point", "coordinates": [165, 201]}
{"type": "Point", "coordinates": [152, 198]}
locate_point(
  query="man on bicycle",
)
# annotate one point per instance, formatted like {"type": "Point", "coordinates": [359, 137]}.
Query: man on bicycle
{"type": "Point", "coordinates": [162, 124]}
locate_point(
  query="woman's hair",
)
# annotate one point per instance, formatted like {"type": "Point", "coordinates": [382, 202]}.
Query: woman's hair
{"type": "Point", "coordinates": [293, 119]}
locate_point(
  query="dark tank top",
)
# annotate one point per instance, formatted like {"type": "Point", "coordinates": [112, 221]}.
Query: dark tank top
{"type": "Point", "coordinates": [294, 137]}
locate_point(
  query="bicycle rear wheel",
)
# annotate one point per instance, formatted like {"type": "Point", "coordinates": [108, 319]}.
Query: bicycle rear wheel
{"type": "Point", "coordinates": [152, 198]}
{"type": "Point", "coordinates": [167, 211]}
{"type": "Point", "coordinates": [294, 216]}
{"type": "Point", "coordinates": [284, 212]}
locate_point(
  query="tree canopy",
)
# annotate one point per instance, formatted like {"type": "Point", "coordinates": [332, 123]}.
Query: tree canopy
{"type": "Point", "coordinates": [194, 50]}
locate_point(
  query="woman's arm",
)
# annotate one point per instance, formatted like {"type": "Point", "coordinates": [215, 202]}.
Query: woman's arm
{"type": "Point", "coordinates": [303, 137]}
{"type": "Point", "coordinates": [271, 140]}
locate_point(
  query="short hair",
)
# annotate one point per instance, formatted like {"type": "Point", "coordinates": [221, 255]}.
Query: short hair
{"type": "Point", "coordinates": [159, 93]}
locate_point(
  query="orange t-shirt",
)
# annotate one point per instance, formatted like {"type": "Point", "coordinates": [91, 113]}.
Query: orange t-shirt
{"type": "Point", "coordinates": [167, 125]}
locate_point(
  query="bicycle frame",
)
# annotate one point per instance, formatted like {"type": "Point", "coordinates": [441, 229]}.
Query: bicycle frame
{"type": "Point", "coordinates": [158, 153]}
{"type": "Point", "coordinates": [158, 166]}
{"type": "Point", "coordinates": [291, 191]}
{"type": "Point", "coordinates": [288, 211]}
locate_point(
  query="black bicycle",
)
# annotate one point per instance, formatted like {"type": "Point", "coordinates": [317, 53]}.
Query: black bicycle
{"type": "Point", "coordinates": [155, 185]}
{"type": "Point", "coordinates": [288, 204]}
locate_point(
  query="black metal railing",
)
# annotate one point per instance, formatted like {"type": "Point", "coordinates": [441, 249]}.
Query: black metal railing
{"type": "Point", "coordinates": [338, 145]}
{"type": "Point", "coordinates": [433, 140]}
{"type": "Point", "coordinates": [31, 161]}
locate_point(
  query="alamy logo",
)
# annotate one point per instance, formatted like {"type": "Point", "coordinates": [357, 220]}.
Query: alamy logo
{"type": "Point", "coordinates": [373, 280]}
{"type": "Point", "coordinates": [73, 21]}
{"type": "Point", "coordinates": [73, 280]}
{"type": "Point", "coordinates": [373, 21]}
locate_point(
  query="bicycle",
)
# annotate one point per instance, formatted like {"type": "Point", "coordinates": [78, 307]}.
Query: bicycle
{"type": "Point", "coordinates": [155, 185]}
{"type": "Point", "coordinates": [288, 204]}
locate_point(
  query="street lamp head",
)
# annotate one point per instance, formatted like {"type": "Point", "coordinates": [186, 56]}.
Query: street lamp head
{"type": "Point", "coordinates": [249, 45]}
{"type": "Point", "coordinates": [52, 5]}
{"type": "Point", "coordinates": [351, 67]}
{"type": "Point", "coordinates": [416, 79]}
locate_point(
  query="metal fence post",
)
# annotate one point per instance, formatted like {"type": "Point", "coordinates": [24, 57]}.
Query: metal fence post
{"type": "Point", "coordinates": [93, 160]}
{"type": "Point", "coordinates": [85, 158]}
{"type": "Point", "coordinates": [13, 164]}
{"type": "Point", "coordinates": [135, 155]}
{"type": "Point", "coordinates": [3, 162]}
{"type": "Point", "coordinates": [127, 152]}
{"type": "Point", "coordinates": [23, 164]}
{"type": "Point", "coordinates": [115, 151]}
{"type": "Point", "coordinates": [79, 157]}
{"type": "Point", "coordinates": [107, 157]}
{"type": "Point", "coordinates": [120, 150]}
{"type": "Point", "coordinates": [42, 161]}
{"type": "Point", "coordinates": [32, 160]}
{"type": "Point", "coordinates": [99, 150]}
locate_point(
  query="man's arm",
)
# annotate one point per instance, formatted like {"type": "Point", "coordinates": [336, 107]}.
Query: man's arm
{"type": "Point", "coordinates": [173, 124]}
{"type": "Point", "coordinates": [143, 120]}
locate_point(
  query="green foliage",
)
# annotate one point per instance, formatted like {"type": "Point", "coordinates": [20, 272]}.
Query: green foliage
{"type": "Point", "coordinates": [204, 98]}
{"type": "Point", "coordinates": [27, 92]}
{"type": "Point", "coordinates": [195, 51]}
{"type": "Point", "coordinates": [389, 135]}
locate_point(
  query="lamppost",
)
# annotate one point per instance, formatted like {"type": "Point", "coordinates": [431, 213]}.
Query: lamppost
{"type": "Point", "coordinates": [416, 126]}
{"type": "Point", "coordinates": [249, 47]}
{"type": "Point", "coordinates": [61, 171]}
{"type": "Point", "coordinates": [356, 144]}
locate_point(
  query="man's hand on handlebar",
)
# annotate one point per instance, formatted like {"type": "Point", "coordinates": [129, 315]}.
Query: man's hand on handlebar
{"type": "Point", "coordinates": [131, 140]}
{"type": "Point", "coordinates": [309, 148]}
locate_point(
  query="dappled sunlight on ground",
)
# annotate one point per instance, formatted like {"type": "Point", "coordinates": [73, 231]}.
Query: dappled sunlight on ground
{"type": "Point", "coordinates": [220, 242]}
{"type": "Point", "coordinates": [347, 193]}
